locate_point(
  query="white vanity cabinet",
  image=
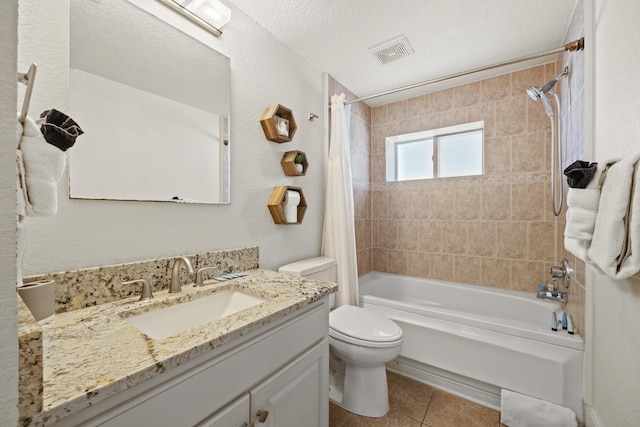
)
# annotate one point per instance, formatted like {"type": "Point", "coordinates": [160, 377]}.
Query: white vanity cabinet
{"type": "Point", "coordinates": [279, 371]}
{"type": "Point", "coordinates": [235, 414]}
{"type": "Point", "coordinates": [292, 397]}
{"type": "Point", "coordinates": [295, 396]}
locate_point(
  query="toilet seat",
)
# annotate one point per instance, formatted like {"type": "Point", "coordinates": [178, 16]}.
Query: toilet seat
{"type": "Point", "coordinates": [358, 326]}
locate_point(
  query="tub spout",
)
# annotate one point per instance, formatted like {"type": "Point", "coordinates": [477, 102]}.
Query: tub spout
{"type": "Point", "coordinates": [558, 296]}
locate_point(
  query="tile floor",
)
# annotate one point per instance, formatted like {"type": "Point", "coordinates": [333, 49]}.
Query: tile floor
{"type": "Point", "coordinates": [414, 404]}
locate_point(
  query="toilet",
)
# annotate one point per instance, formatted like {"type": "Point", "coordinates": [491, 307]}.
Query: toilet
{"type": "Point", "coordinates": [361, 343]}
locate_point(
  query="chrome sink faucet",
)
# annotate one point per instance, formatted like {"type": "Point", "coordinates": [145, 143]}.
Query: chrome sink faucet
{"type": "Point", "coordinates": [175, 286]}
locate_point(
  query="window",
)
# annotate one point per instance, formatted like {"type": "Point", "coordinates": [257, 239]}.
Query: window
{"type": "Point", "coordinates": [439, 153]}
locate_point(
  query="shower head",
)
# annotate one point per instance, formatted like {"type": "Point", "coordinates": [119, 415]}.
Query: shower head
{"type": "Point", "coordinates": [536, 93]}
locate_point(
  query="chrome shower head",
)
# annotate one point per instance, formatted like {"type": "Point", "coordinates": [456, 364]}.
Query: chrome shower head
{"type": "Point", "coordinates": [536, 93]}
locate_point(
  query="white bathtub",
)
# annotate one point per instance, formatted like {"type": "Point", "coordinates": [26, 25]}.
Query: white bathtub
{"type": "Point", "coordinates": [475, 340]}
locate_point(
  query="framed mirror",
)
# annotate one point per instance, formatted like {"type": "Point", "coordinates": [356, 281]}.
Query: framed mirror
{"type": "Point", "coordinates": [154, 105]}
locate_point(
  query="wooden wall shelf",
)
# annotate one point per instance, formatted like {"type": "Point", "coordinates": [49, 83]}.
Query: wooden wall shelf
{"type": "Point", "coordinates": [270, 119]}
{"type": "Point", "coordinates": [289, 165]}
{"type": "Point", "coordinates": [276, 207]}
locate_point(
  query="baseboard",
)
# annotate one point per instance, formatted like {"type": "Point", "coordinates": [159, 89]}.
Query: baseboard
{"type": "Point", "coordinates": [467, 388]}
{"type": "Point", "coordinates": [591, 418]}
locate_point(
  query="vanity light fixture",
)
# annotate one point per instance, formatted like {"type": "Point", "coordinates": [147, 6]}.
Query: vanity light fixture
{"type": "Point", "coordinates": [211, 15]}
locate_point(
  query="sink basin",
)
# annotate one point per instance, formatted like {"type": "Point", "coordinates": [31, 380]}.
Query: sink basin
{"type": "Point", "coordinates": [178, 318]}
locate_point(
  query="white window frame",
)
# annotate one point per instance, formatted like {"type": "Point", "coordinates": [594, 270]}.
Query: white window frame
{"type": "Point", "coordinates": [392, 142]}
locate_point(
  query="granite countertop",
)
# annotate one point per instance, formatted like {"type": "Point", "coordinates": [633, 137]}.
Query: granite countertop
{"type": "Point", "coordinates": [93, 353]}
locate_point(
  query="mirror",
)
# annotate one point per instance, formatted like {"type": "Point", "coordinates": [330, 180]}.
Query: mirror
{"type": "Point", "coordinates": [154, 105]}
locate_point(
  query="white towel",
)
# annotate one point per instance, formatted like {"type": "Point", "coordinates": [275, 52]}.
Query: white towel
{"type": "Point", "coordinates": [582, 209]}
{"type": "Point", "coordinates": [615, 247]}
{"type": "Point", "coordinates": [40, 166]}
{"type": "Point", "coordinates": [519, 410]}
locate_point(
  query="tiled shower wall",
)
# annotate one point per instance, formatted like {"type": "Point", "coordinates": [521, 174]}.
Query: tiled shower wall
{"type": "Point", "coordinates": [572, 90]}
{"type": "Point", "coordinates": [496, 229]}
{"type": "Point", "coordinates": [360, 145]}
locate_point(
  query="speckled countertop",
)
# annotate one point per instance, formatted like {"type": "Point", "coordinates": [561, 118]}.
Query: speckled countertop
{"type": "Point", "coordinates": [93, 353]}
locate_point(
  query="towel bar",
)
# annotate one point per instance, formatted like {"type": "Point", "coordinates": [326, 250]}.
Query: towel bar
{"type": "Point", "coordinates": [28, 79]}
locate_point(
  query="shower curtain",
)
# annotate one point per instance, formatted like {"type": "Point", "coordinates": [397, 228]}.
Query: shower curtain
{"type": "Point", "coordinates": [339, 237]}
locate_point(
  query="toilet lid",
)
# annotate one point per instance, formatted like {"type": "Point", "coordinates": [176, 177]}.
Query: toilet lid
{"type": "Point", "coordinates": [365, 325]}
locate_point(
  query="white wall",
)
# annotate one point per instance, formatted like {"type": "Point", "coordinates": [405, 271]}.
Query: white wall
{"type": "Point", "coordinates": [8, 320]}
{"type": "Point", "coordinates": [616, 304]}
{"type": "Point", "coordinates": [264, 72]}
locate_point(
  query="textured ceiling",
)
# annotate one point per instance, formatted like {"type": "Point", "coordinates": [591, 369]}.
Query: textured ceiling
{"type": "Point", "coordinates": [449, 36]}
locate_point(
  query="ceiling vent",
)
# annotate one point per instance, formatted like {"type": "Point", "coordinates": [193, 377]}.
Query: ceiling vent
{"type": "Point", "coordinates": [392, 50]}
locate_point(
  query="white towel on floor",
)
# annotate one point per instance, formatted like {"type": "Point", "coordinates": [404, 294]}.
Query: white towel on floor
{"type": "Point", "coordinates": [519, 410]}
{"type": "Point", "coordinates": [615, 247]}
{"type": "Point", "coordinates": [40, 166]}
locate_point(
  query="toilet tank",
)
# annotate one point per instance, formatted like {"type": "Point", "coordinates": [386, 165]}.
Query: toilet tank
{"type": "Point", "coordinates": [318, 268]}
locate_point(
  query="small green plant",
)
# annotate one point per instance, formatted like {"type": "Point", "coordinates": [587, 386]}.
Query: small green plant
{"type": "Point", "coordinates": [299, 158]}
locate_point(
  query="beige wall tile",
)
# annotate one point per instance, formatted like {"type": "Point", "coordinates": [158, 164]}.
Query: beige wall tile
{"type": "Point", "coordinates": [418, 264]}
{"type": "Point", "coordinates": [487, 113]}
{"type": "Point", "coordinates": [511, 240]}
{"type": "Point", "coordinates": [409, 235]}
{"type": "Point", "coordinates": [496, 272]}
{"type": "Point", "coordinates": [378, 204]}
{"type": "Point", "coordinates": [418, 106]}
{"type": "Point", "coordinates": [468, 269]}
{"type": "Point", "coordinates": [364, 262]}
{"type": "Point", "coordinates": [523, 79]}
{"type": "Point", "coordinates": [430, 236]}
{"type": "Point", "coordinates": [496, 88]}
{"type": "Point", "coordinates": [442, 203]}
{"type": "Point", "coordinates": [525, 275]}
{"type": "Point", "coordinates": [497, 156]}
{"type": "Point", "coordinates": [511, 116]}
{"type": "Point", "coordinates": [397, 111]}
{"type": "Point", "coordinates": [467, 95]}
{"type": "Point", "coordinates": [441, 266]}
{"type": "Point", "coordinates": [454, 237]}
{"type": "Point", "coordinates": [419, 204]}
{"type": "Point", "coordinates": [541, 246]}
{"type": "Point", "coordinates": [528, 201]}
{"type": "Point", "coordinates": [496, 202]}
{"type": "Point", "coordinates": [387, 234]}
{"type": "Point", "coordinates": [442, 100]}
{"type": "Point", "coordinates": [466, 202]}
{"type": "Point", "coordinates": [379, 115]}
{"type": "Point", "coordinates": [537, 118]}
{"type": "Point", "coordinates": [528, 152]}
{"type": "Point", "coordinates": [378, 168]}
{"type": "Point", "coordinates": [397, 262]}
{"type": "Point", "coordinates": [379, 257]}
{"type": "Point", "coordinates": [397, 203]}
{"type": "Point", "coordinates": [482, 238]}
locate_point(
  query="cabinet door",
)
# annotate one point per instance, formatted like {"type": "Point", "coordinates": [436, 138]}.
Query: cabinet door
{"type": "Point", "coordinates": [297, 395]}
{"type": "Point", "coordinates": [235, 414]}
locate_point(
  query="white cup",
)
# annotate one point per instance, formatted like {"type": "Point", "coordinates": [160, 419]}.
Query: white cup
{"type": "Point", "coordinates": [40, 298]}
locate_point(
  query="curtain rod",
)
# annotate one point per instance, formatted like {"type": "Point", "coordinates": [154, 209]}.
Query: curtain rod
{"type": "Point", "coordinates": [573, 46]}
